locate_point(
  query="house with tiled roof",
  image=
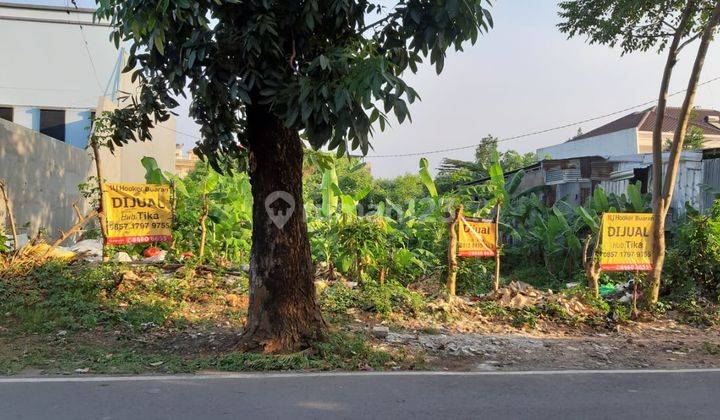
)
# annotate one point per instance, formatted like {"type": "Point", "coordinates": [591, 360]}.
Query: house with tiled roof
{"type": "Point", "coordinates": [632, 134]}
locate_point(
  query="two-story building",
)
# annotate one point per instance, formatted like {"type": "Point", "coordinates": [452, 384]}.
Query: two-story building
{"type": "Point", "coordinates": [632, 134]}
{"type": "Point", "coordinates": [58, 67]}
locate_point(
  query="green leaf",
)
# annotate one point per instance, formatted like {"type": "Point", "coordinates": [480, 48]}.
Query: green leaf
{"type": "Point", "coordinates": [636, 198]}
{"type": "Point", "coordinates": [329, 198]}
{"type": "Point", "coordinates": [452, 8]}
{"type": "Point", "coordinates": [426, 178]}
{"type": "Point", "coordinates": [153, 173]}
{"type": "Point", "coordinates": [589, 220]}
{"type": "Point", "coordinates": [348, 205]}
{"type": "Point", "coordinates": [191, 58]}
{"type": "Point", "coordinates": [324, 63]}
{"type": "Point", "coordinates": [159, 41]}
{"type": "Point", "coordinates": [212, 179]}
{"type": "Point", "coordinates": [363, 193]}
{"type": "Point", "coordinates": [515, 181]}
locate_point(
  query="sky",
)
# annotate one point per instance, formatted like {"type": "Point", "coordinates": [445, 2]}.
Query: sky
{"type": "Point", "coordinates": [523, 76]}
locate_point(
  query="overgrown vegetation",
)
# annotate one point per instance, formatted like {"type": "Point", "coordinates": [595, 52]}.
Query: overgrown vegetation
{"type": "Point", "coordinates": [114, 318]}
{"type": "Point", "coordinates": [382, 264]}
{"type": "Point", "coordinates": [692, 270]}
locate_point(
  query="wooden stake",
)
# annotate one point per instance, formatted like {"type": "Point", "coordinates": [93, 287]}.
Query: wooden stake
{"type": "Point", "coordinates": [496, 282]}
{"type": "Point", "coordinates": [203, 229]}
{"type": "Point", "coordinates": [634, 310]}
{"type": "Point", "coordinates": [452, 254]}
{"type": "Point", "coordinates": [591, 262]}
{"type": "Point", "coordinates": [10, 216]}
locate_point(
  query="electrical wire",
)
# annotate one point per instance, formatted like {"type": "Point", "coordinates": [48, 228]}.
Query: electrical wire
{"type": "Point", "coordinates": [86, 45]}
{"type": "Point", "coordinates": [429, 152]}
{"type": "Point", "coordinates": [534, 133]}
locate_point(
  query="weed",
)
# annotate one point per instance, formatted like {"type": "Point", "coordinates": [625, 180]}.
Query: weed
{"type": "Point", "coordinates": [692, 312]}
{"type": "Point", "coordinates": [338, 298]}
{"type": "Point", "coordinates": [390, 297]}
{"type": "Point", "coordinates": [383, 299]}
{"type": "Point", "coordinates": [525, 317]}
{"type": "Point", "coordinates": [61, 296]}
{"type": "Point", "coordinates": [351, 352]}
{"type": "Point", "coordinates": [711, 348]}
{"type": "Point", "coordinates": [492, 309]}
{"type": "Point", "coordinates": [340, 351]}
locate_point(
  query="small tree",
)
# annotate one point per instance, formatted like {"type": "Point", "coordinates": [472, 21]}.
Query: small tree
{"type": "Point", "coordinates": [260, 72]}
{"type": "Point", "coordinates": [639, 25]}
{"type": "Point", "coordinates": [454, 172]}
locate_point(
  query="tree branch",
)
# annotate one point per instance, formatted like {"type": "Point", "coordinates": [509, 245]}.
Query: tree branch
{"type": "Point", "coordinates": [689, 40]}
{"type": "Point", "coordinates": [383, 20]}
{"type": "Point", "coordinates": [674, 28]}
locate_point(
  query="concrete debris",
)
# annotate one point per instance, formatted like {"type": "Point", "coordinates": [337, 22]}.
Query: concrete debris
{"type": "Point", "coordinates": [380, 331]}
{"type": "Point", "coordinates": [122, 257]}
{"type": "Point", "coordinates": [464, 344]}
{"type": "Point", "coordinates": [519, 295]}
{"type": "Point", "coordinates": [88, 250]}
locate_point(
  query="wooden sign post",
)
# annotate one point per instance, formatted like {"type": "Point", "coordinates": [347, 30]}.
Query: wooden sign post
{"type": "Point", "coordinates": [452, 253]}
{"type": "Point", "coordinates": [496, 281]}
{"type": "Point", "coordinates": [474, 238]}
{"type": "Point", "coordinates": [627, 245]}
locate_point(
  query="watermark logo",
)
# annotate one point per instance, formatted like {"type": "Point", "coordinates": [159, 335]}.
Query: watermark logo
{"type": "Point", "coordinates": [280, 206]}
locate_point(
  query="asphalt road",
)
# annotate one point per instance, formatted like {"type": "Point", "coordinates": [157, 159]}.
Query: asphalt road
{"type": "Point", "coordinates": [597, 395]}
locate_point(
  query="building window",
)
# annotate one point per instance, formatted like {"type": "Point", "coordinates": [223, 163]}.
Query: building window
{"type": "Point", "coordinates": [52, 123]}
{"type": "Point", "coordinates": [6, 113]}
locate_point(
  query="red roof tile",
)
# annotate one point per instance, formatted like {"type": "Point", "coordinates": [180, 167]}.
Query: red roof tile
{"type": "Point", "coordinates": [645, 120]}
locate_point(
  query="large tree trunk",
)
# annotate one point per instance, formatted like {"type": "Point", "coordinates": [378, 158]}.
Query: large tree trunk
{"type": "Point", "coordinates": [658, 204]}
{"type": "Point", "coordinates": [283, 313]}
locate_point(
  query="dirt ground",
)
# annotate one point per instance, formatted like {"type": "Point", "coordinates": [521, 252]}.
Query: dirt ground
{"type": "Point", "coordinates": [658, 344]}
{"type": "Point", "coordinates": [462, 334]}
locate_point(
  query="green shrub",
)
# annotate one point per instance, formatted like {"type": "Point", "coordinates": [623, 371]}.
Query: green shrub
{"type": "Point", "coordinates": [54, 296]}
{"type": "Point", "coordinates": [475, 276]}
{"type": "Point", "coordinates": [371, 297]}
{"type": "Point", "coordinates": [338, 298]}
{"type": "Point", "coordinates": [692, 265]}
{"type": "Point", "coordinates": [390, 297]}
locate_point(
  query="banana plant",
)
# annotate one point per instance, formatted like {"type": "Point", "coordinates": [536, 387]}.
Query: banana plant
{"type": "Point", "coordinates": [427, 179]}
{"type": "Point", "coordinates": [329, 196]}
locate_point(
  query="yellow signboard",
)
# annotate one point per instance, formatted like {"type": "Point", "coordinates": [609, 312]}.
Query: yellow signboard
{"type": "Point", "coordinates": [626, 242]}
{"type": "Point", "coordinates": [137, 213]}
{"type": "Point", "coordinates": [476, 238]}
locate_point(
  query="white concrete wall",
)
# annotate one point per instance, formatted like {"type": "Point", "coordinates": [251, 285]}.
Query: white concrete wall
{"type": "Point", "coordinates": [618, 143]}
{"type": "Point", "coordinates": [47, 65]}
{"type": "Point", "coordinates": [42, 177]}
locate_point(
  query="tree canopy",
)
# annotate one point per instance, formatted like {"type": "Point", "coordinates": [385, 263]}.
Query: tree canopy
{"type": "Point", "coordinates": [328, 68]}
{"type": "Point", "coordinates": [633, 25]}
{"type": "Point", "coordinates": [453, 172]}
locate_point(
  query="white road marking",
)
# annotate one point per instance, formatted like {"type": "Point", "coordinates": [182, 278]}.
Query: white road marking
{"type": "Point", "coordinates": [202, 377]}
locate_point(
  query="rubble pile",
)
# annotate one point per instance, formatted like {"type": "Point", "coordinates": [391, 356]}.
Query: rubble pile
{"type": "Point", "coordinates": [519, 295]}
